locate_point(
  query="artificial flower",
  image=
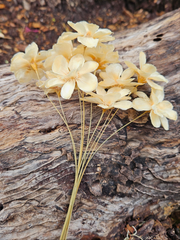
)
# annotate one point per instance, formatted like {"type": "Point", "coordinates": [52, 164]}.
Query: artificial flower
{"type": "Point", "coordinates": [115, 76]}
{"type": "Point", "coordinates": [147, 72]}
{"type": "Point", "coordinates": [29, 65]}
{"type": "Point", "coordinates": [110, 98]}
{"type": "Point", "coordinates": [159, 108]}
{"type": "Point", "coordinates": [103, 54]}
{"type": "Point", "coordinates": [87, 34]}
{"type": "Point", "coordinates": [66, 75]}
{"type": "Point", "coordinates": [64, 48]}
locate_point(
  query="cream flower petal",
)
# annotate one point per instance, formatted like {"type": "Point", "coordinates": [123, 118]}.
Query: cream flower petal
{"type": "Point", "coordinates": [79, 27]}
{"type": "Point", "coordinates": [157, 94]}
{"type": "Point", "coordinates": [32, 46]}
{"type": "Point", "coordinates": [155, 119]}
{"type": "Point", "coordinates": [124, 92]}
{"type": "Point", "coordinates": [148, 68]}
{"type": "Point", "coordinates": [91, 28]}
{"type": "Point", "coordinates": [42, 55]}
{"type": "Point", "coordinates": [140, 104]}
{"type": "Point", "coordinates": [48, 63]}
{"type": "Point", "coordinates": [164, 123]}
{"type": "Point", "coordinates": [24, 75]}
{"type": "Point", "coordinates": [87, 82]}
{"type": "Point", "coordinates": [111, 98]}
{"type": "Point", "coordinates": [105, 106]}
{"type": "Point", "coordinates": [141, 95]}
{"type": "Point", "coordinates": [67, 89]}
{"type": "Point", "coordinates": [51, 75]}
{"type": "Point", "coordinates": [88, 41]}
{"type": "Point", "coordinates": [89, 66]}
{"type": "Point", "coordinates": [54, 82]}
{"type": "Point", "coordinates": [104, 75]}
{"type": "Point", "coordinates": [60, 65]}
{"type": "Point", "coordinates": [68, 36]}
{"type": "Point", "coordinates": [115, 69]}
{"type": "Point", "coordinates": [79, 50]}
{"type": "Point", "coordinates": [154, 85]}
{"type": "Point", "coordinates": [142, 59]}
{"type": "Point", "coordinates": [115, 90]}
{"type": "Point", "coordinates": [158, 77]}
{"type": "Point", "coordinates": [76, 62]}
{"type": "Point", "coordinates": [100, 91]}
{"type": "Point", "coordinates": [19, 64]}
{"type": "Point", "coordinates": [165, 105]}
{"type": "Point", "coordinates": [106, 38]}
{"type": "Point", "coordinates": [64, 49]}
{"type": "Point", "coordinates": [17, 56]}
{"type": "Point", "coordinates": [41, 72]}
{"type": "Point", "coordinates": [60, 41]}
{"type": "Point", "coordinates": [171, 114]}
{"type": "Point", "coordinates": [107, 83]}
{"type": "Point", "coordinates": [128, 73]}
{"type": "Point", "coordinates": [101, 32]}
{"type": "Point", "coordinates": [31, 52]}
{"type": "Point", "coordinates": [124, 105]}
{"type": "Point", "coordinates": [131, 65]}
{"type": "Point", "coordinates": [92, 100]}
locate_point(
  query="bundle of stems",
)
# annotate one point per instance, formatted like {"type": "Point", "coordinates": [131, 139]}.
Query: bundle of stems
{"type": "Point", "coordinates": [87, 152]}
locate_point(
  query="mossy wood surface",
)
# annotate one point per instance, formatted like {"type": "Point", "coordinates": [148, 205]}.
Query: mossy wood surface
{"type": "Point", "coordinates": [136, 173]}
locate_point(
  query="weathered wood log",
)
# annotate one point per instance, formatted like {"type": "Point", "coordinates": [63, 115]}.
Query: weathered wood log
{"type": "Point", "coordinates": [135, 174]}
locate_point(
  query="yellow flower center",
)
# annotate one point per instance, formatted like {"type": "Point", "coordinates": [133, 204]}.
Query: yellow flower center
{"type": "Point", "coordinates": [141, 79]}
{"type": "Point", "coordinates": [88, 34]}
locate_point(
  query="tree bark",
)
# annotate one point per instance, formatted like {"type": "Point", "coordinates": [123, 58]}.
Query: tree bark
{"type": "Point", "coordinates": [134, 175]}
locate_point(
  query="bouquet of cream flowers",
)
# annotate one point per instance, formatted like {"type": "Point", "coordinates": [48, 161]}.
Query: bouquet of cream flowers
{"type": "Point", "coordinates": [92, 69]}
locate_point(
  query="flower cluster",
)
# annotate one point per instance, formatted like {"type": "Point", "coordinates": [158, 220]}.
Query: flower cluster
{"type": "Point", "coordinates": [93, 67]}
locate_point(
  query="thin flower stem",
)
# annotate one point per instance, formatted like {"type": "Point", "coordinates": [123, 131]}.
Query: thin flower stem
{"type": "Point", "coordinates": [118, 131]}
{"type": "Point", "coordinates": [70, 209]}
{"type": "Point", "coordinates": [66, 123]}
{"type": "Point", "coordinates": [106, 125]}
{"type": "Point", "coordinates": [94, 145]}
{"type": "Point", "coordinates": [89, 159]}
{"type": "Point", "coordinates": [37, 74]}
{"type": "Point", "coordinates": [72, 139]}
{"type": "Point", "coordinates": [101, 133]}
{"type": "Point", "coordinates": [104, 128]}
{"type": "Point", "coordinates": [84, 155]}
{"type": "Point", "coordinates": [82, 108]}
{"type": "Point", "coordinates": [89, 131]}
{"type": "Point", "coordinates": [97, 137]}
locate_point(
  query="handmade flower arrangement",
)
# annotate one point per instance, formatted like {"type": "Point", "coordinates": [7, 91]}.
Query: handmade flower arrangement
{"type": "Point", "coordinates": [93, 70]}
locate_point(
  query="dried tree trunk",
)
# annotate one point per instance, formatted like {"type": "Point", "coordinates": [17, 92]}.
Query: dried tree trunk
{"type": "Point", "coordinates": [136, 173]}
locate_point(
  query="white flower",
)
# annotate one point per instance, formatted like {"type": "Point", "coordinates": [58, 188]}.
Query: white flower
{"type": "Point", "coordinates": [64, 48]}
{"type": "Point", "coordinates": [147, 72]}
{"type": "Point", "coordinates": [115, 76]}
{"type": "Point", "coordinates": [103, 54]}
{"type": "Point", "coordinates": [66, 75]}
{"type": "Point", "coordinates": [29, 65]}
{"type": "Point", "coordinates": [113, 98]}
{"type": "Point", "coordinates": [88, 34]}
{"type": "Point", "coordinates": [159, 110]}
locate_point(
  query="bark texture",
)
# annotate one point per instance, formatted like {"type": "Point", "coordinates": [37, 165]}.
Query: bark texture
{"type": "Point", "coordinates": [136, 173]}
